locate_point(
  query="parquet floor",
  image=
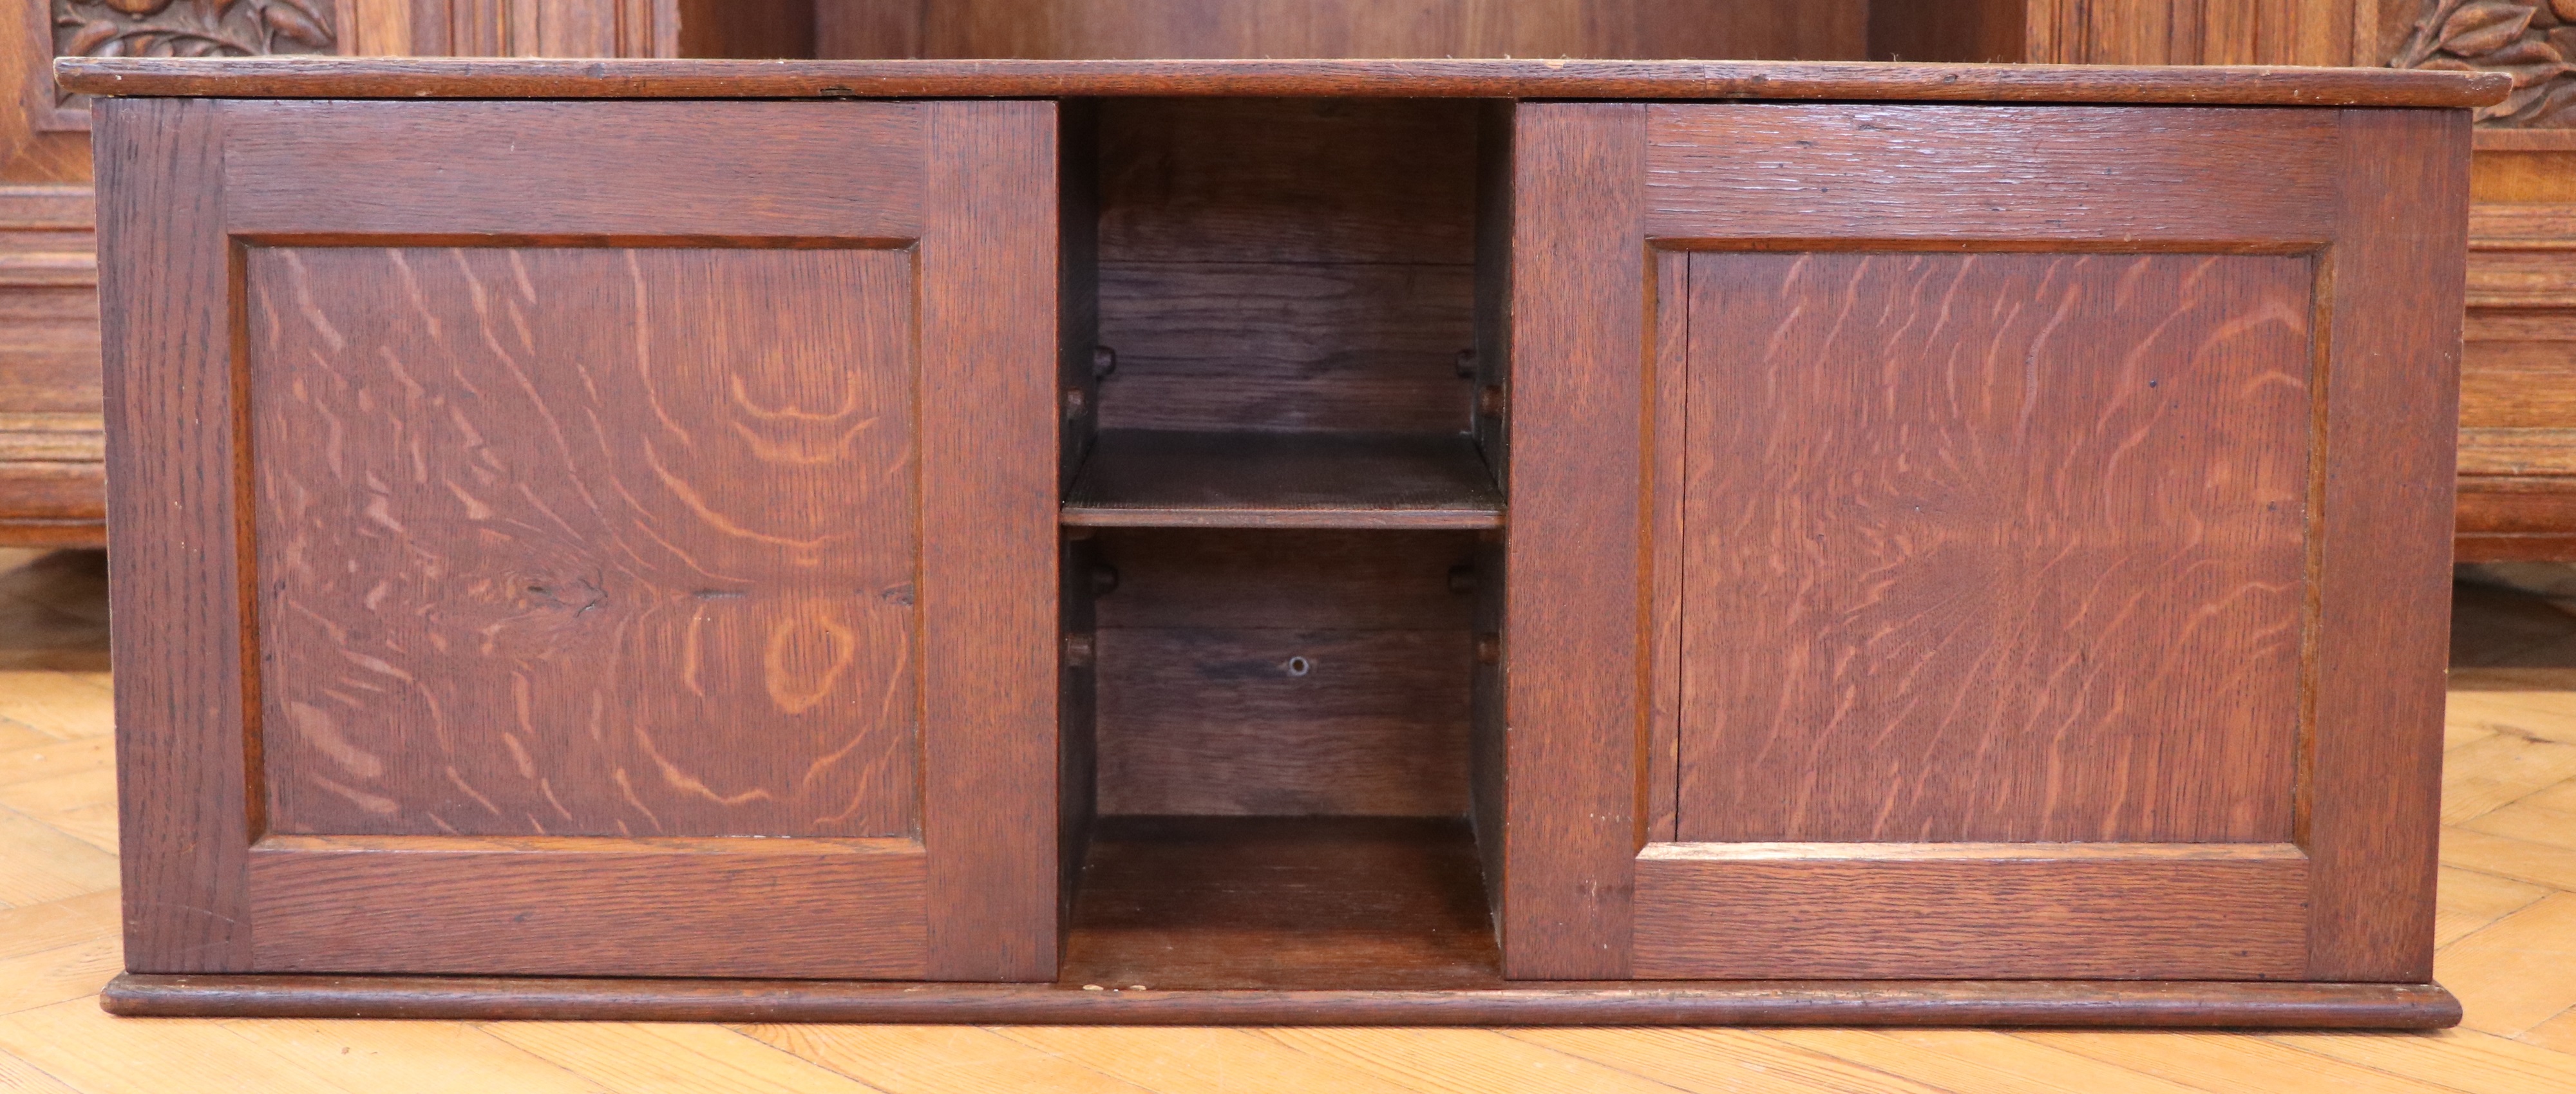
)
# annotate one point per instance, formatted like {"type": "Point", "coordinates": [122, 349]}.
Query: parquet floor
{"type": "Point", "coordinates": [2508, 936]}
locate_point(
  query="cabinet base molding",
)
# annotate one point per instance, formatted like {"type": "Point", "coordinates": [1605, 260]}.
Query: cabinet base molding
{"type": "Point", "coordinates": [52, 533]}
{"type": "Point", "coordinates": [1671, 1003]}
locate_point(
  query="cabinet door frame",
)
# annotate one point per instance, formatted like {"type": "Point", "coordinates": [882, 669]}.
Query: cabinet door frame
{"type": "Point", "coordinates": [1605, 204]}
{"type": "Point", "coordinates": [968, 187]}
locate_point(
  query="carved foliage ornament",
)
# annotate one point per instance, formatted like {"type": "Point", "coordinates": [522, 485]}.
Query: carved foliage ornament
{"type": "Point", "coordinates": [2533, 42]}
{"type": "Point", "coordinates": [190, 28]}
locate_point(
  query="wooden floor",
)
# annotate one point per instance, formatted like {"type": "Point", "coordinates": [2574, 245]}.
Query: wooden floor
{"type": "Point", "coordinates": [2508, 934]}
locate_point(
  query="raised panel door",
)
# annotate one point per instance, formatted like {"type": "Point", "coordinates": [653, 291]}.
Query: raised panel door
{"type": "Point", "coordinates": [638, 564]}
{"type": "Point", "coordinates": [1974, 542]}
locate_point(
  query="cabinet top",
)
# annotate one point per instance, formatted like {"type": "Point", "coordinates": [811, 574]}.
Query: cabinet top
{"type": "Point", "coordinates": [540, 78]}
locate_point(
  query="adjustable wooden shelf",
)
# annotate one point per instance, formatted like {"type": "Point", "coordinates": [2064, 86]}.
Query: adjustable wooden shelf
{"type": "Point", "coordinates": [1639, 542]}
{"type": "Point", "coordinates": [1212, 479]}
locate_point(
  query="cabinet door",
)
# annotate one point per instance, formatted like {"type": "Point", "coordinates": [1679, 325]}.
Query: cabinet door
{"type": "Point", "coordinates": [1978, 541]}
{"type": "Point", "coordinates": [585, 538]}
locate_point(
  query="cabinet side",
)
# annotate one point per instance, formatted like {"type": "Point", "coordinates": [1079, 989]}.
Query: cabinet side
{"type": "Point", "coordinates": [2371, 799]}
{"type": "Point", "coordinates": [182, 697]}
{"type": "Point", "coordinates": [1485, 743]}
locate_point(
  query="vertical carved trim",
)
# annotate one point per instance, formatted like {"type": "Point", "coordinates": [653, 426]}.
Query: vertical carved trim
{"type": "Point", "coordinates": [536, 28]}
{"type": "Point", "coordinates": [2199, 32]}
{"type": "Point", "coordinates": [648, 28]}
{"type": "Point", "coordinates": [374, 28]}
{"type": "Point", "coordinates": [478, 28]}
{"type": "Point", "coordinates": [2531, 40]}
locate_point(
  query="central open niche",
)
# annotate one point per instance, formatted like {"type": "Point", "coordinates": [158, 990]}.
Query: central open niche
{"type": "Point", "coordinates": [1280, 736]}
{"type": "Point", "coordinates": [1273, 545]}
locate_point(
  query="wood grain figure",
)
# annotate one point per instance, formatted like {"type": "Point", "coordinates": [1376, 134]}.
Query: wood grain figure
{"type": "Point", "coordinates": [2035, 574]}
{"type": "Point", "coordinates": [549, 535]}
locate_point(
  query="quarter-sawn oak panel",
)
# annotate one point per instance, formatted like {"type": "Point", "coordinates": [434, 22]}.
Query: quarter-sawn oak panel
{"type": "Point", "coordinates": [579, 542]}
{"type": "Point", "coordinates": [2003, 547]}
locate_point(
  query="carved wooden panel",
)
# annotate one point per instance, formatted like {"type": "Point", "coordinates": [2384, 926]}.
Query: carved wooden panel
{"type": "Point", "coordinates": [167, 28]}
{"type": "Point", "coordinates": [579, 541]}
{"type": "Point", "coordinates": [2035, 573]}
{"type": "Point", "coordinates": [190, 28]}
{"type": "Point", "coordinates": [2534, 40]}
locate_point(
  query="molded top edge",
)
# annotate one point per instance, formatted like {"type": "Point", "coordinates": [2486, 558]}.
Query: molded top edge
{"type": "Point", "coordinates": [547, 78]}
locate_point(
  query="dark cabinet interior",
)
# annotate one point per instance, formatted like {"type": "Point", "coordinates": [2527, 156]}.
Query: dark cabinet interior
{"type": "Point", "coordinates": [1276, 524]}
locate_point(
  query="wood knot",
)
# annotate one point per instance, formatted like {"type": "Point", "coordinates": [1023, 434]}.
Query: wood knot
{"type": "Point", "coordinates": [576, 594]}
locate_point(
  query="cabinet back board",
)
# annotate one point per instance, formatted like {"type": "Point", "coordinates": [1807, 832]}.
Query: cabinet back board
{"type": "Point", "coordinates": [1285, 265]}
{"type": "Point", "coordinates": [1284, 673]}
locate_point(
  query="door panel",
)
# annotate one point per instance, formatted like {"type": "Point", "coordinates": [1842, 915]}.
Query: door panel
{"type": "Point", "coordinates": [2014, 541]}
{"type": "Point", "coordinates": [602, 508]}
{"type": "Point", "coordinates": [578, 543]}
{"type": "Point", "coordinates": [1993, 547]}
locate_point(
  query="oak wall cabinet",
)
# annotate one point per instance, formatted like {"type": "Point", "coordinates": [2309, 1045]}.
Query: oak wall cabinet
{"type": "Point", "coordinates": [1281, 541]}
